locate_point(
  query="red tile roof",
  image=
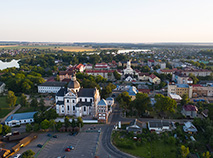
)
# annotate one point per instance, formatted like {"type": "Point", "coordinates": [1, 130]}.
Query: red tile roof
{"type": "Point", "coordinates": [99, 71]}
{"type": "Point", "coordinates": [152, 76]}
{"type": "Point", "coordinates": [190, 108]}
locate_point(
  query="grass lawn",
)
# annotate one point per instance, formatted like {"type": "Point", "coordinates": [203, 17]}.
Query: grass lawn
{"type": "Point", "coordinates": [151, 149]}
{"type": "Point", "coordinates": [25, 109]}
{"type": "Point", "coordinates": [5, 109]}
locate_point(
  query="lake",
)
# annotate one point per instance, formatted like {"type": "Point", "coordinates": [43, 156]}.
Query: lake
{"type": "Point", "coordinates": [12, 63]}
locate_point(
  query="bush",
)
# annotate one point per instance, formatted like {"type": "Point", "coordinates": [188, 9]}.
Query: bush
{"type": "Point", "coordinates": [29, 128]}
{"type": "Point", "coordinates": [36, 127]}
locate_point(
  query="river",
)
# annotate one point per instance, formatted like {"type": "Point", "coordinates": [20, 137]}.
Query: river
{"type": "Point", "coordinates": [12, 63]}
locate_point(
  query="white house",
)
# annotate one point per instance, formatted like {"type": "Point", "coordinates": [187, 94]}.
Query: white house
{"type": "Point", "coordinates": [20, 118]}
{"type": "Point", "coordinates": [189, 127]}
{"type": "Point", "coordinates": [77, 101]}
{"type": "Point", "coordinates": [103, 111]}
{"type": "Point", "coordinates": [159, 126]}
{"type": "Point", "coordinates": [50, 87]}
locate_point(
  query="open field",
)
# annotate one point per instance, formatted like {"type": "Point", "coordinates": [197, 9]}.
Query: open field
{"type": "Point", "coordinates": [4, 107]}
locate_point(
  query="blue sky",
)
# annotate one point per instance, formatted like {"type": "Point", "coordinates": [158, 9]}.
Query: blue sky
{"type": "Point", "coordinates": [134, 21]}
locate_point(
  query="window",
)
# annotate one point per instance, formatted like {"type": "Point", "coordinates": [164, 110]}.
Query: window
{"type": "Point", "coordinates": [68, 108]}
{"type": "Point", "coordinates": [73, 108]}
{"type": "Point", "coordinates": [73, 101]}
{"type": "Point", "coordinates": [24, 120]}
{"type": "Point", "coordinates": [30, 120]}
{"type": "Point", "coordinates": [62, 111]}
{"type": "Point", "coordinates": [84, 108]}
{"type": "Point", "coordinates": [67, 101]}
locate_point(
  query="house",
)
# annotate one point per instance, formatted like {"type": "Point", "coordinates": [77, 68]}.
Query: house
{"type": "Point", "coordinates": [2, 87]}
{"type": "Point", "coordinates": [205, 113]}
{"type": "Point", "coordinates": [143, 76]}
{"type": "Point", "coordinates": [65, 75]}
{"type": "Point", "coordinates": [200, 91]}
{"type": "Point", "coordinates": [132, 92]}
{"type": "Point", "coordinates": [150, 63]}
{"type": "Point", "coordinates": [80, 67]}
{"type": "Point", "coordinates": [167, 71]}
{"type": "Point", "coordinates": [154, 79]}
{"type": "Point", "coordinates": [175, 97]}
{"type": "Point", "coordinates": [135, 127]}
{"type": "Point", "coordinates": [102, 111]}
{"type": "Point", "coordinates": [110, 102]}
{"type": "Point", "coordinates": [77, 101]}
{"type": "Point", "coordinates": [20, 118]}
{"type": "Point", "coordinates": [100, 66]}
{"type": "Point", "coordinates": [189, 111]}
{"type": "Point", "coordinates": [196, 72]}
{"type": "Point", "coordinates": [180, 89]}
{"type": "Point", "coordinates": [143, 89]}
{"type": "Point", "coordinates": [180, 78]}
{"type": "Point", "coordinates": [50, 87]}
{"type": "Point", "coordinates": [108, 74]}
{"type": "Point", "coordinates": [88, 66]}
{"type": "Point", "coordinates": [159, 126]}
{"type": "Point", "coordinates": [189, 127]}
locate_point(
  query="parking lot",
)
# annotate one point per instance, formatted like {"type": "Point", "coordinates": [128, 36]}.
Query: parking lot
{"type": "Point", "coordinates": [84, 144]}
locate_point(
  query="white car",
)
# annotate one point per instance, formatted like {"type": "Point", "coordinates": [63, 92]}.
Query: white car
{"type": "Point", "coordinates": [17, 156]}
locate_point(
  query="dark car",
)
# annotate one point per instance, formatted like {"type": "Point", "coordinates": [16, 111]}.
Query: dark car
{"type": "Point", "coordinates": [49, 135]}
{"type": "Point", "coordinates": [55, 136]}
{"type": "Point", "coordinates": [39, 145]}
{"type": "Point", "coordinates": [68, 149]}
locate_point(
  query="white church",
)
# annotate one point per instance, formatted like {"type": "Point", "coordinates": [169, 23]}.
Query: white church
{"type": "Point", "coordinates": [77, 101]}
{"type": "Point", "coordinates": [129, 74]}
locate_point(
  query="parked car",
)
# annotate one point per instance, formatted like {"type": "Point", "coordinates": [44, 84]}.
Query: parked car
{"type": "Point", "coordinates": [71, 147]}
{"type": "Point", "coordinates": [68, 149]}
{"type": "Point", "coordinates": [49, 135]}
{"type": "Point", "coordinates": [39, 145]}
{"type": "Point", "coordinates": [55, 136]}
{"type": "Point", "coordinates": [17, 156]}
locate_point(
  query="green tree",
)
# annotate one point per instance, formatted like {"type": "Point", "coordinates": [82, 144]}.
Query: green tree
{"type": "Point", "coordinates": [73, 124]}
{"type": "Point", "coordinates": [1, 128]}
{"type": "Point", "coordinates": [194, 78]}
{"type": "Point", "coordinates": [206, 154]}
{"type": "Point", "coordinates": [34, 102]}
{"type": "Point", "coordinates": [184, 151]}
{"type": "Point", "coordinates": [141, 103]}
{"type": "Point", "coordinates": [11, 98]}
{"type": "Point", "coordinates": [117, 75]}
{"type": "Point", "coordinates": [124, 99]}
{"type": "Point", "coordinates": [80, 122]}
{"type": "Point", "coordinates": [165, 104]}
{"type": "Point", "coordinates": [6, 129]}
{"type": "Point", "coordinates": [67, 121]}
{"type": "Point", "coordinates": [36, 127]}
{"type": "Point", "coordinates": [50, 114]}
{"type": "Point", "coordinates": [23, 100]}
{"type": "Point", "coordinates": [42, 104]}
{"type": "Point", "coordinates": [28, 154]}
{"type": "Point", "coordinates": [45, 124]}
{"type": "Point", "coordinates": [29, 128]}
{"type": "Point", "coordinates": [58, 125]}
{"type": "Point", "coordinates": [185, 99]}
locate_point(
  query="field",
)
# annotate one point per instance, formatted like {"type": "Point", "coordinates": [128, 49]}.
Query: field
{"type": "Point", "coordinates": [56, 47]}
{"type": "Point", "coordinates": [150, 149]}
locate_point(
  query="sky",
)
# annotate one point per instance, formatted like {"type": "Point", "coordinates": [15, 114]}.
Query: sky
{"type": "Point", "coordinates": [130, 21]}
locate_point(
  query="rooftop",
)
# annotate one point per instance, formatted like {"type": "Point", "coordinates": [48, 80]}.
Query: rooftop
{"type": "Point", "coordinates": [53, 84]}
{"type": "Point", "coordinates": [20, 116]}
{"type": "Point", "coordinates": [190, 108]}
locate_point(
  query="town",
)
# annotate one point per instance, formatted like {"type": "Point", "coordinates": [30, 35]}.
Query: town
{"type": "Point", "coordinates": [119, 100]}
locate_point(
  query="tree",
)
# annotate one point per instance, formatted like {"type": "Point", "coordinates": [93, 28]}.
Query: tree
{"type": "Point", "coordinates": [23, 100]}
{"type": "Point", "coordinates": [45, 124]}
{"type": "Point", "coordinates": [67, 121]}
{"type": "Point", "coordinates": [165, 104]}
{"type": "Point", "coordinates": [50, 114]}
{"type": "Point", "coordinates": [210, 114]}
{"type": "Point", "coordinates": [184, 151]}
{"type": "Point", "coordinates": [124, 99]}
{"type": "Point", "coordinates": [58, 125]}
{"type": "Point", "coordinates": [141, 103]}
{"type": "Point", "coordinates": [73, 124]}
{"type": "Point", "coordinates": [206, 155]}
{"type": "Point", "coordinates": [29, 128]}
{"type": "Point", "coordinates": [80, 122]}
{"type": "Point", "coordinates": [117, 75]}
{"type": "Point", "coordinates": [6, 129]}
{"type": "Point", "coordinates": [11, 98]}
{"type": "Point", "coordinates": [36, 127]}
{"type": "Point", "coordinates": [185, 99]}
{"type": "Point", "coordinates": [34, 102]}
{"type": "Point", "coordinates": [28, 154]}
{"type": "Point", "coordinates": [1, 128]}
{"type": "Point", "coordinates": [42, 104]}
{"type": "Point", "coordinates": [194, 78]}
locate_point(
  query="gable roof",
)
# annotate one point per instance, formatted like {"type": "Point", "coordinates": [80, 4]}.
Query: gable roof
{"type": "Point", "coordinates": [20, 116]}
{"type": "Point", "coordinates": [190, 108]}
{"type": "Point", "coordinates": [102, 102]}
{"type": "Point", "coordinates": [152, 76]}
{"type": "Point", "coordinates": [86, 92]}
{"type": "Point", "coordinates": [61, 92]}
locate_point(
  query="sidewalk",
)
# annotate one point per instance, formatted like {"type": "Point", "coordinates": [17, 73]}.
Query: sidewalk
{"type": "Point", "coordinates": [12, 112]}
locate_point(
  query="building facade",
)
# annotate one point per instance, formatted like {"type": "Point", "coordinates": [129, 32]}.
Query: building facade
{"type": "Point", "coordinates": [77, 101]}
{"type": "Point", "coordinates": [50, 87]}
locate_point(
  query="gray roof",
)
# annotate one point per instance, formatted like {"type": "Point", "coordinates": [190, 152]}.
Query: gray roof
{"type": "Point", "coordinates": [80, 103]}
{"type": "Point", "coordinates": [61, 92]}
{"type": "Point", "coordinates": [86, 92]}
{"type": "Point", "coordinates": [159, 124]}
{"type": "Point", "coordinates": [1, 83]}
{"type": "Point", "coordinates": [20, 116]}
{"type": "Point", "coordinates": [53, 84]}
